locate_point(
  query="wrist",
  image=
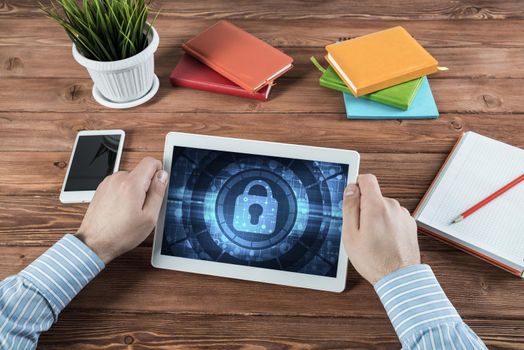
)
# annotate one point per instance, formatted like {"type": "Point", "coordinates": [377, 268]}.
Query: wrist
{"type": "Point", "coordinates": [413, 298]}
{"type": "Point", "coordinates": [99, 248]}
{"type": "Point", "coordinates": [399, 271]}
{"type": "Point", "coordinates": [393, 269]}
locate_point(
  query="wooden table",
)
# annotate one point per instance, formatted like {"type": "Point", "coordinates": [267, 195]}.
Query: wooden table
{"type": "Point", "coordinates": [45, 99]}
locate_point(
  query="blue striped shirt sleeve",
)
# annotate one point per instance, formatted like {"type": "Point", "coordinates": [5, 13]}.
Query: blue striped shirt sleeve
{"type": "Point", "coordinates": [31, 301]}
{"type": "Point", "coordinates": [420, 312]}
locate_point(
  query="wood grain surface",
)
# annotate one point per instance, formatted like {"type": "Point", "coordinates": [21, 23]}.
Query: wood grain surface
{"type": "Point", "coordinates": [45, 99]}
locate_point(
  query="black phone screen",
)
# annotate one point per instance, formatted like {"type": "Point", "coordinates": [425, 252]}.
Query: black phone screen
{"type": "Point", "coordinates": [93, 160]}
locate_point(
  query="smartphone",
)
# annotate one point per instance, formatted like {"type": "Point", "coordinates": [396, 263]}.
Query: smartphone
{"type": "Point", "coordinates": [96, 154]}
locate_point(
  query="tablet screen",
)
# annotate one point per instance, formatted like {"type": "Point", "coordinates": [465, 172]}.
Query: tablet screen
{"type": "Point", "coordinates": [269, 212]}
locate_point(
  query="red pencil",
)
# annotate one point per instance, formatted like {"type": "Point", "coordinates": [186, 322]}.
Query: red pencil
{"type": "Point", "coordinates": [488, 199]}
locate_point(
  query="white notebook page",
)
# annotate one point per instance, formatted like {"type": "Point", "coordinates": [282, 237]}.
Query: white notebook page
{"type": "Point", "coordinates": [480, 167]}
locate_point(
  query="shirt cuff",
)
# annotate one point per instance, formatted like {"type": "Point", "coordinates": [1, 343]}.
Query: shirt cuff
{"type": "Point", "coordinates": [63, 270]}
{"type": "Point", "coordinates": [414, 300]}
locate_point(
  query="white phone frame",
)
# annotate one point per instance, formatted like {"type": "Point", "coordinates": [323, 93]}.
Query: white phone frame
{"type": "Point", "coordinates": [333, 284]}
{"type": "Point", "coordinates": [87, 196]}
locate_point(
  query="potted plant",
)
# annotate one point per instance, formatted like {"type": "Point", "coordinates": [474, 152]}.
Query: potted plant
{"type": "Point", "coordinates": [114, 42]}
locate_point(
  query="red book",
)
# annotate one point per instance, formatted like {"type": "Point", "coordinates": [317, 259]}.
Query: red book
{"type": "Point", "coordinates": [191, 73]}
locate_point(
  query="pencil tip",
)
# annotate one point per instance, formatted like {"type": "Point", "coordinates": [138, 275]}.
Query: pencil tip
{"type": "Point", "coordinates": [457, 219]}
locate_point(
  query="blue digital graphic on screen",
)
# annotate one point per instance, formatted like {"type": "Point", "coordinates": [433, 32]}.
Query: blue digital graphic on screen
{"type": "Point", "coordinates": [276, 213]}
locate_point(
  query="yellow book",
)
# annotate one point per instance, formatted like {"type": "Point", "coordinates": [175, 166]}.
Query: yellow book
{"type": "Point", "coordinates": [379, 60]}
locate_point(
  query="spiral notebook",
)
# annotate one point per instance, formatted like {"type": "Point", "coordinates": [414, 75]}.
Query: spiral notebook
{"type": "Point", "coordinates": [477, 167]}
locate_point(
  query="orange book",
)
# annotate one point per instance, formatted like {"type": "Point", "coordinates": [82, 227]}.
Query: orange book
{"type": "Point", "coordinates": [379, 60]}
{"type": "Point", "coordinates": [239, 56]}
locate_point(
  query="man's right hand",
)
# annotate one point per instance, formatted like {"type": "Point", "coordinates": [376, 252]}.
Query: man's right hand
{"type": "Point", "coordinates": [379, 235]}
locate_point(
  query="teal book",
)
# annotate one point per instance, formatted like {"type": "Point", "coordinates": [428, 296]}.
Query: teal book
{"type": "Point", "coordinates": [400, 96]}
{"type": "Point", "coordinates": [423, 107]}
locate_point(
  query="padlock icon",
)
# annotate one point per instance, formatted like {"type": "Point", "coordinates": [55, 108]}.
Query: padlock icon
{"type": "Point", "coordinates": [256, 213]}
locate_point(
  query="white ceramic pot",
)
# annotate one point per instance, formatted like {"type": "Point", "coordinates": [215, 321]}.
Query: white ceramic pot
{"type": "Point", "coordinates": [124, 80]}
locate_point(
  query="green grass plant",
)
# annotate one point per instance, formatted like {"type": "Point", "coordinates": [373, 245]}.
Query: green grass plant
{"type": "Point", "coordinates": [103, 30]}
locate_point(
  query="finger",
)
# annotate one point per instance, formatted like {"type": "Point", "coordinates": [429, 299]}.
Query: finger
{"type": "Point", "coordinates": [144, 172]}
{"type": "Point", "coordinates": [351, 211]}
{"type": "Point", "coordinates": [369, 186]}
{"type": "Point", "coordinates": [155, 195]}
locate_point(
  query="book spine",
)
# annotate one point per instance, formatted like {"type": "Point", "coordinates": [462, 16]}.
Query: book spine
{"type": "Point", "coordinates": [475, 253]}
{"type": "Point", "coordinates": [217, 68]}
{"type": "Point", "coordinates": [437, 177]}
{"type": "Point", "coordinates": [221, 89]}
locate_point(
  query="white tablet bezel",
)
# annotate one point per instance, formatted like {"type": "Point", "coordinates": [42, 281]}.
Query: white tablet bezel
{"type": "Point", "coordinates": [87, 196]}
{"type": "Point", "coordinates": [334, 284]}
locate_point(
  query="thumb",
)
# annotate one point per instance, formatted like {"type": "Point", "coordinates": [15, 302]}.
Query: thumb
{"type": "Point", "coordinates": [155, 194]}
{"type": "Point", "coordinates": [351, 210]}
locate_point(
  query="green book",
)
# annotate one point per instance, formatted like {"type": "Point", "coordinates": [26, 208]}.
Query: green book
{"type": "Point", "coordinates": [399, 96]}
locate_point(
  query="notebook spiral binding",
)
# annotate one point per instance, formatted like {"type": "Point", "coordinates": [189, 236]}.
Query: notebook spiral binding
{"type": "Point", "coordinates": [344, 38]}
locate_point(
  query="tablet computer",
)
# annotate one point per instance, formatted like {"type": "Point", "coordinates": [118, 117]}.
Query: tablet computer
{"type": "Point", "coordinates": [253, 210]}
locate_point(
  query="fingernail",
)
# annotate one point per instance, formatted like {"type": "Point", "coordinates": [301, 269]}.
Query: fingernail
{"type": "Point", "coordinates": [351, 189]}
{"type": "Point", "coordinates": [162, 176]}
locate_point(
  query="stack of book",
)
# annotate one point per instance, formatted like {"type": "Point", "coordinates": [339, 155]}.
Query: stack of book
{"type": "Point", "coordinates": [382, 76]}
{"type": "Point", "coordinates": [228, 60]}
